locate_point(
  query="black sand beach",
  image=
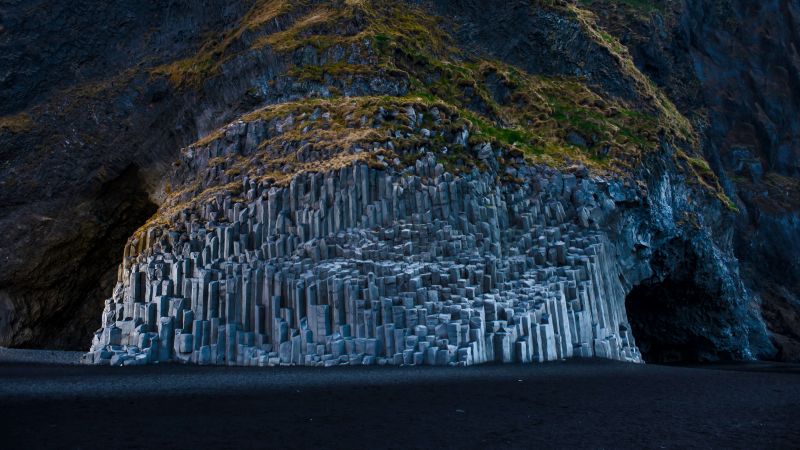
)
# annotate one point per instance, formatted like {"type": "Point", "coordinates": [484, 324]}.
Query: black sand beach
{"type": "Point", "coordinates": [576, 404]}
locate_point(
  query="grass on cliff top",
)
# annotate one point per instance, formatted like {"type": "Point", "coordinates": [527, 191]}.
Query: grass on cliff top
{"type": "Point", "coordinates": [351, 22]}
{"type": "Point", "coordinates": [553, 117]}
{"type": "Point", "coordinates": [671, 119]}
{"type": "Point", "coordinates": [191, 72]}
{"type": "Point", "coordinates": [675, 126]}
{"type": "Point", "coordinates": [558, 121]}
{"type": "Point", "coordinates": [288, 26]}
{"type": "Point", "coordinates": [536, 114]}
{"type": "Point", "coordinates": [411, 42]}
{"type": "Point", "coordinates": [705, 177]}
{"type": "Point", "coordinates": [342, 124]}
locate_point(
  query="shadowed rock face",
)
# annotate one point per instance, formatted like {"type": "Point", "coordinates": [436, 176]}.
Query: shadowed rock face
{"type": "Point", "coordinates": [97, 133]}
{"type": "Point", "coordinates": [754, 142]}
{"type": "Point", "coordinates": [101, 228]}
{"type": "Point", "coordinates": [734, 67]}
{"type": "Point", "coordinates": [673, 313]}
{"type": "Point", "coordinates": [535, 40]}
{"type": "Point", "coordinates": [87, 157]}
{"type": "Point", "coordinates": [49, 46]}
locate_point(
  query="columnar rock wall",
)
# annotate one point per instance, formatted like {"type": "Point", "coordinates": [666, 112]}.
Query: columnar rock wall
{"type": "Point", "coordinates": [369, 266]}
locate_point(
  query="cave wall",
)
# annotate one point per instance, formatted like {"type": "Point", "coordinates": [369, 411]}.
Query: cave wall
{"type": "Point", "coordinates": [85, 269]}
{"type": "Point", "coordinates": [680, 314]}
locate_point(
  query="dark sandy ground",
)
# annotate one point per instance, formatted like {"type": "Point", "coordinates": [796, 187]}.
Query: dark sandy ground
{"type": "Point", "coordinates": [576, 404]}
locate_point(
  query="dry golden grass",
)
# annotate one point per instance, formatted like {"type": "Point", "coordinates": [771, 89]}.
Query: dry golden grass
{"type": "Point", "coordinates": [16, 123]}
{"type": "Point", "coordinates": [405, 40]}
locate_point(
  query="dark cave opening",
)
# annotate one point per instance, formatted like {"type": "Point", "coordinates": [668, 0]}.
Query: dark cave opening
{"type": "Point", "coordinates": [121, 206]}
{"type": "Point", "coordinates": [671, 320]}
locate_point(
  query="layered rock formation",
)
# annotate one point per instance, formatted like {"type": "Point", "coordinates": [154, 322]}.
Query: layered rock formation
{"type": "Point", "coordinates": [376, 252]}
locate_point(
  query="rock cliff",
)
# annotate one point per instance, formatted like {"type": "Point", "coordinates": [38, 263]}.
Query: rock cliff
{"type": "Point", "coordinates": [374, 182]}
{"type": "Point", "coordinates": [732, 67]}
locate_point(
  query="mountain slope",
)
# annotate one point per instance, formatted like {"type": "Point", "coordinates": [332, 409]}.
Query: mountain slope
{"type": "Point", "coordinates": [732, 67]}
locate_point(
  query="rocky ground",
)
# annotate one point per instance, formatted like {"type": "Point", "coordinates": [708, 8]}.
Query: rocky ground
{"type": "Point", "coordinates": [572, 404]}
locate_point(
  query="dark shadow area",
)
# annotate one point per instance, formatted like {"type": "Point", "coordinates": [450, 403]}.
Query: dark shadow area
{"type": "Point", "coordinates": [122, 206]}
{"type": "Point", "coordinates": [684, 313]}
{"type": "Point", "coordinates": [667, 319]}
{"type": "Point", "coordinates": [576, 404]}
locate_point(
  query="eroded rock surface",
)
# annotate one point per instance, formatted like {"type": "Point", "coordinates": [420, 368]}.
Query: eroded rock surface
{"type": "Point", "coordinates": [375, 261]}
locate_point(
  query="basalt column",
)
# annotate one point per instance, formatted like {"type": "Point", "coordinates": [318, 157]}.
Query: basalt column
{"type": "Point", "coordinates": [367, 266]}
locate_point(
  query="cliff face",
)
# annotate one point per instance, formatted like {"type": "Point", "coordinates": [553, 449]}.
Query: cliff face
{"type": "Point", "coordinates": [753, 142]}
{"type": "Point", "coordinates": [733, 68]}
{"type": "Point", "coordinates": [85, 137]}
{"type": "Point", "coordinates": [553, 146]}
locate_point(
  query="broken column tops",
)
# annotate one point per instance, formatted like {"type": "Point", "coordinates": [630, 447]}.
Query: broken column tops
{"type": "Point", "coordinates": [370, 266]}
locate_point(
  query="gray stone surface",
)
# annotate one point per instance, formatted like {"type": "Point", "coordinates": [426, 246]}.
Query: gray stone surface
{"type": "Point", "coordinates": [361, 265]}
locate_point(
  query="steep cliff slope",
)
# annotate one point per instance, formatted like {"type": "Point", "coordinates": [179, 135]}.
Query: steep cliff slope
{"type": "Point", "coordinates": [732, 67]}
{"type": "Point", "coordinates": [535, 102]}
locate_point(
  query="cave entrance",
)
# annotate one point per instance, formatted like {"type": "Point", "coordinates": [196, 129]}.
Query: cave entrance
{"type": "Point", "coordinates": [671, 319]}
{"type": "Point", "coordinates": [121, 206]}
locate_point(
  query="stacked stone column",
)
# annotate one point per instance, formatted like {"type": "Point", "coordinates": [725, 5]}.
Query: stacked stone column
{"type": "Point", "coordinates": [367, 266]}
